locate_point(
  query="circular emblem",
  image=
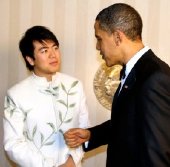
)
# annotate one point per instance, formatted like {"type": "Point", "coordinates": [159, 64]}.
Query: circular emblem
{"type": "Point", "coordinates": [105, 83]}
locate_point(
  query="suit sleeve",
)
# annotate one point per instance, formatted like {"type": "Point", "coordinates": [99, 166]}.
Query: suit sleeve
{"type": "Point", "coordinates": [156, 108]}
{"type": "Point", "coordinates": [100, 135]}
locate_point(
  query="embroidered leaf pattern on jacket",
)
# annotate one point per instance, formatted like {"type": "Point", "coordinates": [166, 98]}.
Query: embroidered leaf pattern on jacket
{"type": "Point", "coordinates": [34, 131]}
{"type": "Point", "coordinates": [62, 117]}
{"type": "Point", "coordinates": [10, 106]}
{"type": "Point", "coordinates": [64, 101]}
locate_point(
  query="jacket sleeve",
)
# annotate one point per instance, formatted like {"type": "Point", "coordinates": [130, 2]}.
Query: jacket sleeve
{"type": "Point", "coordinates": [100, 135]}
{"type": "Point", "coordinates": [156, 108]}
{"type": "Point", "coordinates": [84, 114]}
{"type": "Point", "coordinates": [83, 119]}
{"type": "Point", "coordinates": [18, 148]}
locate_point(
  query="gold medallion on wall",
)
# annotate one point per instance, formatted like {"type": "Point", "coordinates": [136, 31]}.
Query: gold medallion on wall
{"type": "Point", "coordinates": [105, 83]}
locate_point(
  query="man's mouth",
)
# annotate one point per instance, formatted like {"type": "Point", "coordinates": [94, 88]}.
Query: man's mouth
{"type": "Point", "coordinates": [54, 63]}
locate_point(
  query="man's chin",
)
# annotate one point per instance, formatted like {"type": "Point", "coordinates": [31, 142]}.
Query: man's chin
{"type": "Point", "coordinates": [108, 64]}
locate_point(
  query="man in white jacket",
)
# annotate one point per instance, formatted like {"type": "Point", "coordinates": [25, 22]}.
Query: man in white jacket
{"type": "Point", "coordinates": [39, 109]}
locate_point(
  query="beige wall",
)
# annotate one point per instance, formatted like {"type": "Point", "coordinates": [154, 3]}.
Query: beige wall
{"type": "Point", "coordinates": [72, 21]}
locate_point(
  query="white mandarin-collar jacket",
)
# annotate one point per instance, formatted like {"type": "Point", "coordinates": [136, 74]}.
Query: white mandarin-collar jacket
{"type": "Point", "coordinates": [36, 115]}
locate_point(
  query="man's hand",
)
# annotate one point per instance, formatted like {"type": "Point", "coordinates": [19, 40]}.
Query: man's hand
{"type": "Point", "coordinates": [76, 136]}
{"type": "Point", "coordinates": [68, 163]}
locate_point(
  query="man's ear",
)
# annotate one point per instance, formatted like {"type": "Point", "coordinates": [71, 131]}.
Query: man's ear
{"type": "Point", "coordinates": [30, 60]}
{"type": "Point", "coordinates": [117, 37]}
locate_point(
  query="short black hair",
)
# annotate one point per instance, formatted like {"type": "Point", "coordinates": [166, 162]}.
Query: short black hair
{"type": "Point", "coordinates": [35, 33]}
{"type": "Point", "coordinates": [123, 17]}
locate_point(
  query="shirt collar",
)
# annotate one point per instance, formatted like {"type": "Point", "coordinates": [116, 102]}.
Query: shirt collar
{"type": "Point", "coordinates": [134, 59]}
{"type": "Point", "coordinates": [42, 81]}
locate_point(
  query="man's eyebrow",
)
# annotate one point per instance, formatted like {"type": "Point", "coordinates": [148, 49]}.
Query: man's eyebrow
{"type": "Point", "coordinates": [43, 47]}
{"type": "Point", "coordinates": [54, 45]}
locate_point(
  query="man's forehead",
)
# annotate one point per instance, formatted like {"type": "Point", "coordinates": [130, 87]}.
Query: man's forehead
{"type": "Point", "coordinates": [44, 42]}
{"type": "Point", "coordinates": [96, 29]}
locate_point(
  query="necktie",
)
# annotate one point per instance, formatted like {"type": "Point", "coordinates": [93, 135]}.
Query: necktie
{"type": "Point", "coordinates": [122, 76]}
{"type": "Point", "coordinates": [122, 72]}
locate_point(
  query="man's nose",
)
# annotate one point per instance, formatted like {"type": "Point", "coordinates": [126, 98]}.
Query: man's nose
{"type": "Point", "coordinates": [97, 46]}
{"type": "Point", "coordinates": [52, 53]}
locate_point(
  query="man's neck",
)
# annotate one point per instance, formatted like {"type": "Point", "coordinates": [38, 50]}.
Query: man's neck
{"type": "Point", "coordinates": [131, 49]}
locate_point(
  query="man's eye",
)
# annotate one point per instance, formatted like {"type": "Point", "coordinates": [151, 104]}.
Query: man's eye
{"type": "Point", "coordinates": [99, 39]}
{"type": "Point", "coordinates": [43, 50]}
{"type": "Point", "coordinates": [56, 47]}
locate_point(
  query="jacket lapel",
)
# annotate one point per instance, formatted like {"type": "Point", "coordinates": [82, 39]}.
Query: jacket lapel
{"type": "Point", "coordinates": [129, 83]}
{"type": "Point", "coordinates": [139, 72]}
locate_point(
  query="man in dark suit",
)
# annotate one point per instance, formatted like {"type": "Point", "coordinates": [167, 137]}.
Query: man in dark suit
{"type": "Point", "coordinates": [138, 134]}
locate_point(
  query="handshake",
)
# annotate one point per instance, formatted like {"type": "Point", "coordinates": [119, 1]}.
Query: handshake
{"type": "Point", "coordinates": [76, 137]}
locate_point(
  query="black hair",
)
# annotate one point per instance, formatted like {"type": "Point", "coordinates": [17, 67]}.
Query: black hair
{"type": "Point", "coordinates": [35, 33]}
{"type": "Point", "coordinates": [123, 17]}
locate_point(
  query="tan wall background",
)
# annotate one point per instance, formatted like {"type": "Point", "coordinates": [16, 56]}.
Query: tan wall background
{"type": "Point", "coordinates": [72, 21]}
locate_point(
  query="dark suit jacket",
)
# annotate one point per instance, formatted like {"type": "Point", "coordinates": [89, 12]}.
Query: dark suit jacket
{"type": "Point", "coordinates": [138, 134]}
